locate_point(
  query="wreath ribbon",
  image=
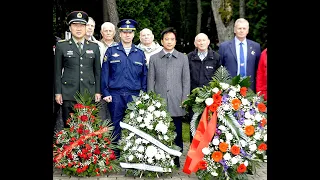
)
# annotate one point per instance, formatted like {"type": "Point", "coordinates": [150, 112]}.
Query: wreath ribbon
{"type": "Point", "coordinates": [201, 139]}
{"type": "Point", "coordinates": [76, 143]}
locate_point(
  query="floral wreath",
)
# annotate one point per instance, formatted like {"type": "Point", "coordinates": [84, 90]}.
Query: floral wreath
{"type": "Point", "coordinates": [236, 133]}
{"type": "Point", "coordinates": [85, 149]}
{"type": "Point", "coordinates": [147, 137]}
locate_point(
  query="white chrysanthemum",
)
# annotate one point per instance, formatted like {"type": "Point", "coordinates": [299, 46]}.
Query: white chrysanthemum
{"type": "Point", "coordinates": [215, 141]}
{"type": "Point", "coordinates": [232, 93]}
{"type": "Point", "coordinates": [224, 86]}
{"type": "Point", "coordinates": [150, 126]}
{"type": "Point", "coordinates": [144, 141]}
{"type": "Point", "coordinates": [138, 102]}
{"type": "Point", "coordinates": [209, 101]}
{"type": "Point", "coordinates": [165, 137]}
{"type": "Point", "coordinates": [257, 135]}
{"type": "Point", "coordinates": [227, 156]}
{"type": "Point", "coordinates": [226, 107]}
{"type": "Point", "coordinates": [253, 147]}
{"type": "Point", "coordinates": [134, 148]}
{"type": "Point", "coordinates": [158, 156]}
{"type": "Point", "coordinates": [138, 141]}
{"type": "Point", "coordinates": [150, 160]}
{"type": "Point", "coordinates": [215, 89]}
{"type": "Point", "coordinates": [130, 158]}
{"type": "Point", "coordinates": [163, 114]}
{"type": "Point", "coordinates": [151, 108]}
{"type": "Point", "coordinates": [139, 119]}
{"type": "Point", "coordinates": [150, 116]}
{"type": "Point", "coordinates": [146, 121]}
{"type": "Point", "coordinates": [157, 114]}
{"type": "Point", "coordinates": [214, 173]}
{"type": "Point", "coordinates": [140, 149]}
{"type": "Point", "coordinates": [142, 125]}
{"type": "Point", "coordinates": [247, 115]}
{"type": "Point", "coordinates": [247, 122]}
{"type": "Point", "coordinates": [258, 117]}
{"type": "Point", "coordinates": [229, 136]}
{"type": "Point", "coordinates": [246, 163]}
{"type": "Point", "coordinates": [234, 160]}
{"type": "Point", "coordinates": [205, 150]}
{"type": "Point", "coordinates": [161, 127]}
{"type": "Point", "coordinates": [158, 104]}
{"type": "Point", "coordinates": [222, 128]}
{"type": "Point", "coordinates": [131, 115]}
{"type": "Point", "coordinates": [168, 156]}
{"type": "Point", "coordinates": [141, 111]}
{"type": "Point", "coordinates": [265, 137]}
{"type": "Point", "coordinates": [139, 156]}
{"type": "Point", "coordinates": [245, 102]}
{"type": "Point", "coordinates": [243, 143]}
{"type": "Point", "coordinates": [146, 96]}
{"type": "Point", "coordinates": [151, 151]}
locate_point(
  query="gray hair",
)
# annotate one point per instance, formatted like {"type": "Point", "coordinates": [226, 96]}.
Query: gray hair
{"type": "Point", "coordinates": [106, 24]}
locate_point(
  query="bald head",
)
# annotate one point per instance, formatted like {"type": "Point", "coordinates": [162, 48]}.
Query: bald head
{"type": "Point", "coordinates": [201, 41]}
{"type": "Point", "coordinates": [146, 37]}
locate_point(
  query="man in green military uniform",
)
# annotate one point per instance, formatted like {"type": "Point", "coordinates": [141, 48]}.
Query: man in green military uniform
{"type": "Point", "coordinates": [77, 65]}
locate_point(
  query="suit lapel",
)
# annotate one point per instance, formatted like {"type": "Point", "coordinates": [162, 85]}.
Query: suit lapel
{"type": "Point", "coordinates": [249, 50]}
{"type": "Point", "coordinates": [232, 47]}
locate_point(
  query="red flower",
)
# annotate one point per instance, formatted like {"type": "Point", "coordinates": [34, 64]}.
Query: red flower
{"type": "Point", "coordinates": [84, 118]}
{"type": "Point", "coordinates": [96, 151]}
{"type": "Point", "coordinates": [262, 147]}
{"type": "Point", "coordinates": [202, 165]}
{"type": "Point", "coordinates": [241, 168]}
{"type": "Point", "coordinates": [243, 91]}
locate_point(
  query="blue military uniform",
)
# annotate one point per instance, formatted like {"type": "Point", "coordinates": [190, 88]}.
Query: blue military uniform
{"type": "Point", "coordinates": [122, 76]}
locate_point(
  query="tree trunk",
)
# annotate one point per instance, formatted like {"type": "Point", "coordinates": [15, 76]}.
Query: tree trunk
{"type": "Point", "coordinates": [111, 7]}
{"type": "Point", "coordinates": [242, 7]}
{"type": "Point", "coordinates": [105, 15]}
{"type": "Point", "coordinates": [224, 32]}
{"type": "Point", "coordinates": [199, 15]}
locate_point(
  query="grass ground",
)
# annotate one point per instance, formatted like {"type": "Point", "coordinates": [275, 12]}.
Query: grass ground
{"type": "Point", "coordinates": [185, 132]}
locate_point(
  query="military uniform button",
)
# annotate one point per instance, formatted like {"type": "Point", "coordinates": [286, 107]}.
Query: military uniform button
{"type": "Point", "coordinates": [65, 82]}
{"type": "Point", "coordinates": [80, 58]}
{"type": "Point", "coordinates": [81, 79]}
{"type": "Point", "coordinates": [81, 72]}
{"type": "Point", "coordinates": [81, 65]}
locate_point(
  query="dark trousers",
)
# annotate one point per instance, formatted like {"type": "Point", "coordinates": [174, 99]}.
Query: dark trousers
{"type": "Point", "coordinates": [55, 114]}
{"type": "Point", "coordinates": [67, 108]}
{"type": "Point", "coordinates": [104, 112]}
{"type": "Point", "coordinates": [117, 108]}
{"type": "Point", "coordinates": [178, 141]}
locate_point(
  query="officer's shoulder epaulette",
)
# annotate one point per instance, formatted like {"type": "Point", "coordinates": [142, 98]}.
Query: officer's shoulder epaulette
{"type": "Point", "coordinates": [62, 40]}
{"type": "Point", "coordinates": [114, 44]}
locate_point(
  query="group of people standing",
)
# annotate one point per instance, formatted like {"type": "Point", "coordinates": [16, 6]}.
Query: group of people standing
{"type": "Point", "coordinates": [113, 72]}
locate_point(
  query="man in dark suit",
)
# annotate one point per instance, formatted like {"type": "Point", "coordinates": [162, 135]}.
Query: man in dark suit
{"type": "Point", "coordinates": [241, 59]}
{"type": "Point", "coordinates": [77, 65]}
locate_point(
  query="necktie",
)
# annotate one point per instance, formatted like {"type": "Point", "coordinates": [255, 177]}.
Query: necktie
{"type": "Point", "coordinates": [79, 46]}
{"type": "Point", "coordinates": [242, 67]}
